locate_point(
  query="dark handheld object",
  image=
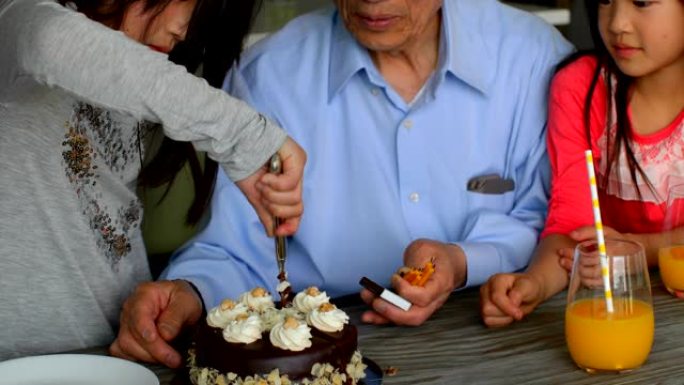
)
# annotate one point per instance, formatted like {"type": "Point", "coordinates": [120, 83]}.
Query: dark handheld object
{"type": "Point", "coordinates": [385, 294]}
{"type": "Point", "coordinates": [490, 184]}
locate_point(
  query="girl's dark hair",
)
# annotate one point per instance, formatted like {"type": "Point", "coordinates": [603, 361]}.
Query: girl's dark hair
{"type": "Point", "coordinates": [214, 41]}
{"type": "Point", "coordinates": [620, 90]}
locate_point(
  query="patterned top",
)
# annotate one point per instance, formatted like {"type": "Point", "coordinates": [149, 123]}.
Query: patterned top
{"type": "Point", "coordinates": [74, 99]}
{"type": "Point", "coordinates": [660, 155]}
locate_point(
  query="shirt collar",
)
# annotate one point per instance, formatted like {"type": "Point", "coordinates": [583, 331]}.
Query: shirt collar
{"type": "Point", "coordinates": [464, 51]}
{"type": "Point", "coordinates": [347, 57]}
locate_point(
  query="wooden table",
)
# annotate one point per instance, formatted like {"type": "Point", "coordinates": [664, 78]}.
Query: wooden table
{"type": "Point", "coordinates": [455, 348]}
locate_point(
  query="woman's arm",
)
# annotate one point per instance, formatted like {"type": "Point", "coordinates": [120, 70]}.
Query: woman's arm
{"type": "Point", "coordinates": [44, 43]}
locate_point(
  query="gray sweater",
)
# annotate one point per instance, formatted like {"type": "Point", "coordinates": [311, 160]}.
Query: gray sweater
{"type": "Point", "coordinates": [74, 96]}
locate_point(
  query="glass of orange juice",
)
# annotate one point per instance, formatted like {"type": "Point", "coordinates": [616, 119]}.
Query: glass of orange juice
{"type": "Point", "coordinates": [671, 257]}
{"type": "Point", "coordinates": [603, 341]}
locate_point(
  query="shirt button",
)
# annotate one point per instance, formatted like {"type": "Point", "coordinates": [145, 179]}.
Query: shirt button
{"type": "Point", "coordinates": [414, 197]}
{"type": "Point", "coordinates": [375, 92]}
{"type": "Point", "coordinates": [408, 123]}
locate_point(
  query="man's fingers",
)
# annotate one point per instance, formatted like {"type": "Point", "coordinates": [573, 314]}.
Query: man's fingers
{"type": "Point", "coordinates": [145, 329]}
{"type": "Point", "coordinates": [116, 351]}
{"type": "Point", "coordinates": [371, 317]}
{"type": "Point", "coordinates": [367, 296]}
{"type": "Point", "coordinates": [140, 340]}
{"type": "Point", "coordinates": [128, 348]}
{"type": "Point", "coordinates": [180, 312]}
{"type": "Point", "coordinates": [420, 296]}
{"type": "Point", "coordinates": [138, 315]}
{"type": "Point", "coordinates": [415, 316]}
{"type": "Point", "coordinates": [184, 308]}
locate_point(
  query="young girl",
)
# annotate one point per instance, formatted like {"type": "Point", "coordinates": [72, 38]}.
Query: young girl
{"type": "Point", "coordinates": [83, 84]}
{"type": "Point", "coordinates": [624, 101]}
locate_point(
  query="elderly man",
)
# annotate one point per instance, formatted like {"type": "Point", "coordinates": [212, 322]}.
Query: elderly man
{"type": "Point", "coordinates": [424, 125]}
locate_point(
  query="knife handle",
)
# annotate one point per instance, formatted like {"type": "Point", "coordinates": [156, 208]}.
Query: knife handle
{"type": "Point", "coordinates": [275, 166]}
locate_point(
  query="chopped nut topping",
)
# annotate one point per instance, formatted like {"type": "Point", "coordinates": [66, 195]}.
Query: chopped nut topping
{"type": "Point", "coordinates": [313, 291]}
{"type": "Point", "coordinates": [259, 292]}
{"type": "Point", "coordinates": [326, 307]}
{"type": "Point", "coordinates": [391, 371]}
{"type": "Point", "coordinates": [242, 317]}
{"type": "Point", "coordinates": [227, 304]}
{"type": "Point", "coordinates": [291, 323]}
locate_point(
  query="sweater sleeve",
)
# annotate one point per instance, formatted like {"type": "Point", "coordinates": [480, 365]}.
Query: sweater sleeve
{"type": "Point", "coordinates": [570, 203]}
{"type": "Point", "coordinates": [43, 43]}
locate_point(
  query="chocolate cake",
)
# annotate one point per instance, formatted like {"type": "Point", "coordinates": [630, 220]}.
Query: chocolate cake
{"type": "Point", "coordinates": [253, 342]}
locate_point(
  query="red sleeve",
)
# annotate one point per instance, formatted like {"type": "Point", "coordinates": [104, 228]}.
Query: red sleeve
{"type": "Point", "coordinates": [570, 203]}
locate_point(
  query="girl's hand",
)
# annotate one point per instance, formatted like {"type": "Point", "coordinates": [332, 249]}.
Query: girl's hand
{"type": "Point", "coordinates": [567, 255]}
{"type": "Point", "coordinates": [278, 195]}
{"type": "Point", "coordinates": [586, 233]}
{"type": "Point", "coordinates": [506, 298]}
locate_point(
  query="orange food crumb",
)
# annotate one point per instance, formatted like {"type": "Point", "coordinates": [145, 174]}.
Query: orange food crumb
{"type": "Point", "coordinates": [391, 371]}
{"type": "Point", "coordinates": [418, 276]}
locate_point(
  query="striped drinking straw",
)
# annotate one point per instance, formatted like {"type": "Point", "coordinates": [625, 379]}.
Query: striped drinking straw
{"type": "Point", "coordinates": [599, 232]}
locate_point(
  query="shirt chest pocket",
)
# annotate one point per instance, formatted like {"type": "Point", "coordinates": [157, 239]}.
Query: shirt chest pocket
{"type": "Point", "coordinates": [501, 203]}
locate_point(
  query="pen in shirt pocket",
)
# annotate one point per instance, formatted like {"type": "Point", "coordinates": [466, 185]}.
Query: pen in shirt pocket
{"type": "Point", "coordinates": [490, 184]}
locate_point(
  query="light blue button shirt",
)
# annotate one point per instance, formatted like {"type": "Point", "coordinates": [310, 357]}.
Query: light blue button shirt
{"type": "Point", "coordinates": [381, 172]}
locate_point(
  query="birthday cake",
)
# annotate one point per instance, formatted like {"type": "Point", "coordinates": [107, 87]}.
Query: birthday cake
{"type": "Point", "coordinates": [251, 341]}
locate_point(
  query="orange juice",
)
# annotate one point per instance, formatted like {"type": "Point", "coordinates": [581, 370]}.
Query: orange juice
{"type": "Point", "coordinates": [609, 342]}
{"type": "Point", "coordinates": [671, 263]}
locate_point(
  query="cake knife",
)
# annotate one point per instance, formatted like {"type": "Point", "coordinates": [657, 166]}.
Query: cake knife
{"type": "Point", "coordinates": [275, 166]}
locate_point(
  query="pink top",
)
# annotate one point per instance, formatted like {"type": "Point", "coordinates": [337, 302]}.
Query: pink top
{"type": "Point", "coordinates": [661, 156]}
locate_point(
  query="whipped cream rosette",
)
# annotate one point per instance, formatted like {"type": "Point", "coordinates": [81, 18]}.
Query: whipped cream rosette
{"type": "Point", "coordinates": [310, 299]}
{"type": "Point", "coordinates": [245, 329]}
{"type": "Point", "coordinates": [327, 318]}
{"type": "Point", "coordinates": [291, 334]}
{"type": "Point", "coordinates": [257, 300]}
{"type": "Point", "coordinates": [221, 315]}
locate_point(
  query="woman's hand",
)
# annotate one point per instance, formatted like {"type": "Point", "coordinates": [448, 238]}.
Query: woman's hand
{"type": "Point", "coordinates": [278, 195]}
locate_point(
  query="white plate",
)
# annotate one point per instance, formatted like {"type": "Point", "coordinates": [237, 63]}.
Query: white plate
{"type": "Point", "coordinates": [74, 369]}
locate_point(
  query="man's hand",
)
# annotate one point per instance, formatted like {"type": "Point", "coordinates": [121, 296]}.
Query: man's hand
{"type": "Point", "coordinates": [449, 274]}
{"type": "Point", "coordinates": [505, 298]}
{"type": "Point", "coordinates": [278, 195]}
{"type": "Point", "coordinates": [152, 317]}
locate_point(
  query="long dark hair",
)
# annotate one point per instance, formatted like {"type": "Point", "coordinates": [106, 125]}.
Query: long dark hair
{"type": "Point", "coordinates": [214, 41]}
{"type": "Point", "coordinates": [618, 97]}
